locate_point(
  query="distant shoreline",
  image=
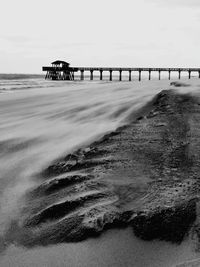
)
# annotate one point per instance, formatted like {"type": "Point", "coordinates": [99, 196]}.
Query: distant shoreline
{"type": "Point", "coordinates": [16, 76]}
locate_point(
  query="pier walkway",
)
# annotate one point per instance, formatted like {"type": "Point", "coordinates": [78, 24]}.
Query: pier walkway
{"type": "Point", "coordinates": [61, 70]}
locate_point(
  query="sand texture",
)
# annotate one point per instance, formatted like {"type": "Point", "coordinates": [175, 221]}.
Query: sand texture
{"type": "Point", "coordinates": [144, 175]}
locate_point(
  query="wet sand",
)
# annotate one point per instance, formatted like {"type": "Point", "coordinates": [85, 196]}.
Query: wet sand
{"type": "Point", "coordinates": [115, 248]}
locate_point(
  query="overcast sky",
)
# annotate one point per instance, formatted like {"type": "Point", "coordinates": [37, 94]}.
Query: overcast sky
{"type": "Point", "coordinates": [149, 33]}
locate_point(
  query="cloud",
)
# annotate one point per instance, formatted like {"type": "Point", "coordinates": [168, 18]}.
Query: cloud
{"type": "Point", "coordinates": [178, 3]}
{"type": "Point", "coordinates": [16, 39]}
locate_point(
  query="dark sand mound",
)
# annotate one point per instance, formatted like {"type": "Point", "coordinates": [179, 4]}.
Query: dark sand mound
{"type": "Point", "coordinates": [145, 174]}
{"type": "Point", "coordinates": [179, 84]}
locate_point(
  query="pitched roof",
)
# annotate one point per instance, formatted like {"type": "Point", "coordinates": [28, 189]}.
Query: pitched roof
{"type": "Point", "coordinates": [58, 62]}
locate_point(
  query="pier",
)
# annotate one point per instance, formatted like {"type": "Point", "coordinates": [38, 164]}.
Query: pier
{"type": "Point", "coordinates": [61, 70]}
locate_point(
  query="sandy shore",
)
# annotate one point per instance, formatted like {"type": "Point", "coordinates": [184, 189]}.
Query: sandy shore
{"type": "Point", "coordinates": [114, 248]}
{"type": "Point", "coordinates": [143, 175]}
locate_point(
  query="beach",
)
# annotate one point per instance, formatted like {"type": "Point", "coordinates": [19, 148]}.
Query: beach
{"type": "Point", "coordinates": [98, 167]}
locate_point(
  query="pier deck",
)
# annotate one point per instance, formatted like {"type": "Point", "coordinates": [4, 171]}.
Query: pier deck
{"type": "Point", "coordinates": [64, 72]}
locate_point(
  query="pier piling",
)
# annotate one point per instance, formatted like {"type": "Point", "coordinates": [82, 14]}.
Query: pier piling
{"type": "Point", "coordinates": [91, 75]}
{"type": "Point", "coordinates": [159, 74]}
{"type": "Point", "coordinates": [82, 75]}
{"type": "Point", "coordinates": [149, 75]}
{"type": "Point", "coordinates": [110, 75]}
{"type": "Point", "coordinates": [120, 75]}
{"type": "Point", "coordinates": [179, 74]}
{"type": "Point", "coordinates": [129, 75]}
{"type": "Point", "coordinates": [139, 75]}
{"type": "Point", "coordinates": [101, 75]}
{"type": "Point", "coordinates": [169, 74]}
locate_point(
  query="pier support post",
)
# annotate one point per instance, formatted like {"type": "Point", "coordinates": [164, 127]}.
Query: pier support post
{"type": "Point", "coordinates": [120, 75]}
{"type": "Point", "coordinates": [189, 72]}
{"type": "Point", "coordinates": [129, 75]}
{"type": "Point", "coordinates": [101, 75]}
{"type": "Point", "coordinates": [159, 74]}
{"type": "Point", "coordinates": [179, 74]}
{"type": "Point", "coordinates": [91, 75]}
{"type": "Point", "coordinates": [199, 74]}
{"type": "Point", "coordinates": [110, 75]}
{"type": "Point", "coordinates": [169, 74]}
{"type": "Point", "coordinates": [149, 75]}
{"type": "Point", "coordinates": [139, 75]}
{"type": "Point", "coordinates": [82, 75]}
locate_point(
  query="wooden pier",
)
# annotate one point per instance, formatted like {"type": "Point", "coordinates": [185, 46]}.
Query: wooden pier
{"type": "Point", "coordinates": [61, 70]}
